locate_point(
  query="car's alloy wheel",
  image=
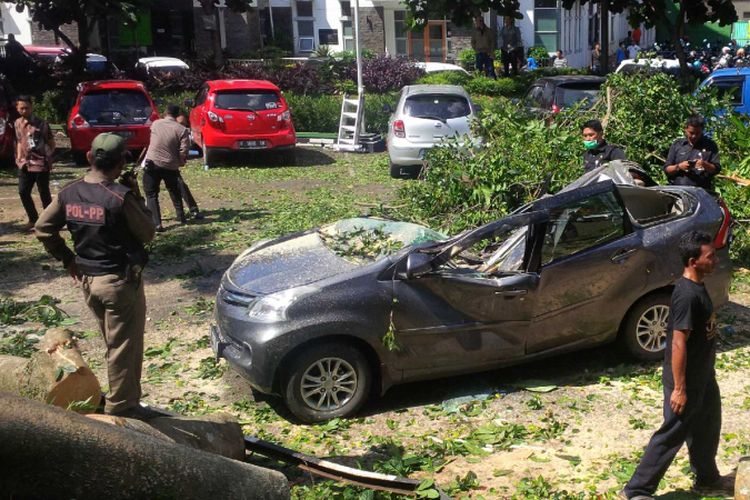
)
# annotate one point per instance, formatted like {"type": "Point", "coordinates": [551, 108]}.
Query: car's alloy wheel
{"type": "Point", "coordinates": [644, 332]}
{"type": "Point", "coordinates": [651, 330]}
{"type": "Point", "coordinates": [325, 381]}
{"type": "Point", "coordinates": [328, 384]}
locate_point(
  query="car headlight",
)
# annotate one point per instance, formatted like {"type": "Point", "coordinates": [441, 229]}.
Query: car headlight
{"type": "Point", "coordinates": [272, 308]}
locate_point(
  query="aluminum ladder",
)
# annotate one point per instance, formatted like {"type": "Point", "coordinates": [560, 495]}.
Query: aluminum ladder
{"type": "Point", "coordinates": [351, 123]}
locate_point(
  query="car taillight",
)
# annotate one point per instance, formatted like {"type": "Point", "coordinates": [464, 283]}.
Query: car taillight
{"type": "Point", "coordinates": [722, 237]}
{"type": "Point", "coordinates": [214, 118]}
{"type": "Point", "coordinates": [79, 122]}
{"type": "Point", "coordinates": [398, 128]}
{"type": "Point", "coordinates": [555, 108]}
{"type": "Point", "coordinates": [285, 116]}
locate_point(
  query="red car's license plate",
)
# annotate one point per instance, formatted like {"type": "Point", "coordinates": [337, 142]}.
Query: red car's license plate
{"type": "Point", "coordinates": [251, 144]}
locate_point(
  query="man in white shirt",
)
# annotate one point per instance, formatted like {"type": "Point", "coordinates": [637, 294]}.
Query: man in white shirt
{"type": "Point", "coordinates": [633, 50]}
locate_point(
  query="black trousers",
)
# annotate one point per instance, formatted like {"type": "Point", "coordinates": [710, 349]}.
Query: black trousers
{"type": "Point", "coordinates": [152, 178]}
{"type": "Point", "coordinates": [186, 194]}
{"type": "Point", "coordinates": [699, 426]}
{"type": "Point", "coordinates": [26, 181]}
{"type": "Point", "coordinates": [511, 57]}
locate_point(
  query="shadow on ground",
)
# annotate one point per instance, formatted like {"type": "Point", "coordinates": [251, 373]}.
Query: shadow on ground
{"type": "Point", "coordinates": [298, 157]}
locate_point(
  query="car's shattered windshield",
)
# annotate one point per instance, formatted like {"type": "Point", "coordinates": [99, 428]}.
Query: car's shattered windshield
{"type": "Point", "coordinates": [362, 240]}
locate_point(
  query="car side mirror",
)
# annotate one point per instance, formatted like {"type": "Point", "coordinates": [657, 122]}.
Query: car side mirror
{"type": "Point", "coordinates": [190, 103]}
{"type": "Point", "coordinates": [387, 108]}
{"type": "Point", "coordinates": [417, 264]}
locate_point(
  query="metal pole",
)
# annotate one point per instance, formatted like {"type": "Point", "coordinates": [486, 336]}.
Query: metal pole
{"type": "Point", "coordinates": [270, 18]}
{"type": "Point", "coordinates": [360, 88]}
{"type": "Point", "coordinates": [360, 85]}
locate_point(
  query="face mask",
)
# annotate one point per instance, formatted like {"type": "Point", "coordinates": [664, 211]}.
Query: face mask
{"type": "Point", "coordinates": [590, 144]}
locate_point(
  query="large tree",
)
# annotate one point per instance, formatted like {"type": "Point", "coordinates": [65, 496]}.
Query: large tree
{"type": "Point", "coordinates": [211, 11]}
{"type": "Point", "coordinates": [52, 15]}
{"type": "Point", "coordinates": [647, 12]}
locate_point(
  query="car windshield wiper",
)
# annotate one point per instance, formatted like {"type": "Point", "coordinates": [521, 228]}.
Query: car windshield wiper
{"type": "Point", "coordinates": [432, 117]}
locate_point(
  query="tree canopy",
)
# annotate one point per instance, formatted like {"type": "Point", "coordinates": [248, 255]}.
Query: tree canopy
{"type": "Point", "coordinates": [53, 14]}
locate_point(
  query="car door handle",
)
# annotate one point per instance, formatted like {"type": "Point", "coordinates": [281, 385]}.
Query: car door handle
{"type": "Point", "coordinates": [511, 293]}
{"type": "Point", "coordinates": [621, 255]}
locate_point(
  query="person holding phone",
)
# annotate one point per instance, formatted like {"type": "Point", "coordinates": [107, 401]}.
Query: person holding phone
{"type": "Point", "coordinates": [693, 160]}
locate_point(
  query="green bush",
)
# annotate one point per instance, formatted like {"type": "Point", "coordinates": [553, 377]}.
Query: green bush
{"type": "Point", "coordinates": [467, 59]}
{"type": "Point", "coordinates": [506, 87]}
{"type": "Point", "coordinates": [445, 78]}
{"type": "Point", "coordinates": [54, 105]}
{"type": "Point", "coordinates": [322, 113]}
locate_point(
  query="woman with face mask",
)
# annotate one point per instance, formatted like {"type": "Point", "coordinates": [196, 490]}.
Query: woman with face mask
{"type": "Point", "coordinates": [598, 151]}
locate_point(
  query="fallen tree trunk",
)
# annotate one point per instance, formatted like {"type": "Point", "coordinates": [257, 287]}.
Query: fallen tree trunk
{"type": "Point", "coordinates": [218, 433]}
{"type": "Point", "coordinates": [742, 481]}
{"type": "Point", "coordinates": [50, 453]}
{"type": "Point", "coordinates": [55, 374]}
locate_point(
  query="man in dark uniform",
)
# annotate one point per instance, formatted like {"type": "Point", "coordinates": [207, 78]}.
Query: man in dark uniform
{"type": "Point", "coordinates": [694, 160]}
{"type": "Point", "coordinates": [692, 403]}
{"type": "Point", "coordinates": [598, 151]}
{"type": "Point", "coordinates": [110, 225]}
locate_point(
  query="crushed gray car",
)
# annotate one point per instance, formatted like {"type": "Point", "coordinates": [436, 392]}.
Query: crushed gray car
{"type": "Point", "coordinates": [325, 317]}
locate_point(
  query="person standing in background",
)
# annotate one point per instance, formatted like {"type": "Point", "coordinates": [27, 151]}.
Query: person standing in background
{"type": "Point", "coordinates": [596, 55]}
{"type": "Point", "coordinates": [483, 43]}
{"type": "Point", "coordinates": [35, 147]}
{"type": "Point", "coordinates": [637, 35]}
{"type": "Point", "coordinates": [511, 47]}
{"type": "Point", "coordinates": [167, 152]}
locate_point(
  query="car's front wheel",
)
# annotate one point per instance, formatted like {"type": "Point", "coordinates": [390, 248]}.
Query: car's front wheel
{"type": "Point", "coordinates": [644, 333]}
{"type": "Point", "coordinates": [326, 381]}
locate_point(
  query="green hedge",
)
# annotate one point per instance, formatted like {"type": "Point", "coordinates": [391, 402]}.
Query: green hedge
{"type": "Point", "coordinates": [322, 113]}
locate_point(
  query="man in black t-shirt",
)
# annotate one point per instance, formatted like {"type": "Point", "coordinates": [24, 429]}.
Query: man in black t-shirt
{"type": "Point", "coordinates": [694, 159]}
{"type": "Point", "coordinates": [692, 403]}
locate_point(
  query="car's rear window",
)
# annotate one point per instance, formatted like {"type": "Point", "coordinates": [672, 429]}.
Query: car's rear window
{"type": "Point", "coordinates": [247, 100]}
{"type": "Point", "coordinates": [440, 106]}
{"type": "Point", "coordinates": [570, 95]}
{"type": "Point", "coordinates": [115, 107]}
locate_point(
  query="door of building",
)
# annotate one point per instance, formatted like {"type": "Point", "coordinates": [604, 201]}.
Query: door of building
{"type": "Point", "coordinates": [429, 43]}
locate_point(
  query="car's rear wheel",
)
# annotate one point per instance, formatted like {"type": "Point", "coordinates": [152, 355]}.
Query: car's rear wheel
{"type": "Point", "coordinates": [405, 172]}
{"type": "Point", "coordinates": [326, 381]}
{"type": "Point", "coordinates": [209, 156]}
{"type": "Point", "coordinates": [644, 333]}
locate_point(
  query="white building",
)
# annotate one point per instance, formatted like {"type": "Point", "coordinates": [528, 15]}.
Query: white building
{"type": "Point", "coordinates": [545, 23]}
{"type": "Point", "coordinates": [14, 22]}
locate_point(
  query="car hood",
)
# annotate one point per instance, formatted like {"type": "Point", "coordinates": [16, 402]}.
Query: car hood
{"type": "Point", "coordinates": [336, 248]}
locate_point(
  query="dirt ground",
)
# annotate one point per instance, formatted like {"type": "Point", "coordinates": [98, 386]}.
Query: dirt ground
{"type": "Point", "coordinates": [583, 436]}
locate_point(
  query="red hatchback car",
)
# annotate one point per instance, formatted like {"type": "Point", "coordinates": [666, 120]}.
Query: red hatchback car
{"type": "Point", "coordinates": [120, 106]}
{"type": "Point", "coordinates": [240, 115]}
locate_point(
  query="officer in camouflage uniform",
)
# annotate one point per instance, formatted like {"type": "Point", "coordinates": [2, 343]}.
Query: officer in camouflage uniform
{"type": "Point", "coordinates": [110, 224]}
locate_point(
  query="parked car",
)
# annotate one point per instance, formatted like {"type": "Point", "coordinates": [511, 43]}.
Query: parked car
{"type": "Point", "coordinates": [54, 54]}
{"type": "Point", "coordinates": [425, 116]}
{"type": "Point", "coordinates": [437, 67]}
{"type": "Point", "coordinates": [159, 65]}
{"type": "Point", "coordinates": [240, 115]}
{"type": "Point", "coordinates": [307, 317]}
{"type": "Point", "coordinates": [554, 93]}
{"type": "Point", "coordinates": [121, 106]}
{"type": "Point", "coordinates": [732, 82]}
{"type": "Point", "coordinates": [7, 118]}
{"type": "Point", "coordinates": [630, 66]}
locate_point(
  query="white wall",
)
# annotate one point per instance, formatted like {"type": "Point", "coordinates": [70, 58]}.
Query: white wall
{"type": "Point", "coordinates": [16, 23]}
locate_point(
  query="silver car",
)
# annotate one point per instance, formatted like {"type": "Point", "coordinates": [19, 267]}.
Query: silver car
{"type": "Point", "coordinates": [424, 116]}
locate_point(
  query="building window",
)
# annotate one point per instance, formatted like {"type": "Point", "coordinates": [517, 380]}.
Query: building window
{"type": "Point", "coordinates": [346, 28]}
{"type": "Point", "coordinates": [346, 9]}
{"type": "Point", "coordinates": [305, 26]}
{"type": "Point", "coordinates": [547, 24]}
{"type": "Point", "coordinates": [746, 15]}
{"type": "Point", "coordinates": [399, 22]}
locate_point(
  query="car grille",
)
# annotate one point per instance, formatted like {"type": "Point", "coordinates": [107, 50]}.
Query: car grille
{"type": "Point", "coordinates": [235, 298]}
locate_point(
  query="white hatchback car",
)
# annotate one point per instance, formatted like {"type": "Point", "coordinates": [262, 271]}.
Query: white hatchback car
{"type": "Point", "coordinates": [424, 116]}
